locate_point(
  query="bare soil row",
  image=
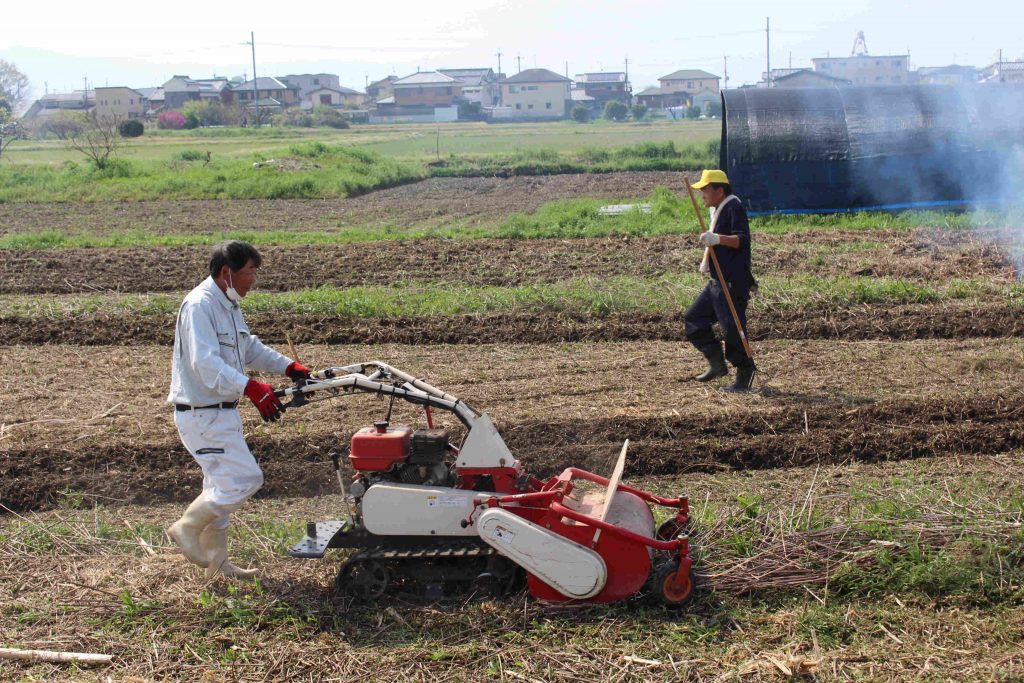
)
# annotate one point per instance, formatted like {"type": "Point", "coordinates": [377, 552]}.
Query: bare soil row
{"type": "Point", "coordinates": [101, 427]}
{"type": "Point", "coordinates": [951, 320]}
{"type": "Point", "coordinates": [33, 478]}
{"type": "Point", "coordinates": [923, 254]}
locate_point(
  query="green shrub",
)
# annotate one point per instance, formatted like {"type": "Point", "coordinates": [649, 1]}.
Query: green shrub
{"type": "Point", "coordinates": [192, 155]}
{"type": "Point", "coordinates": [639, 111]}
{"type": "Point", "coordinates": [293, 117]}
{"type": "Point", "coordinates": [329, 117]}
{"type": "Point", "coordinates": [132, 128]}
{"type": "Point", "coordinates": [580, 114]}
{"type": "Point", "coordinates": [310, 150]}
{"type": "Point", "coordinates": [615, 111]}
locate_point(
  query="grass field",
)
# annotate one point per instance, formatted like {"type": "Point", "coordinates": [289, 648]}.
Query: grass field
{"type": "Point", "coordinates": [859, 517]}
{"type": "Point", "coordinates": [407, 141]}
{"type": "Point", "coordinates": [315, 170]}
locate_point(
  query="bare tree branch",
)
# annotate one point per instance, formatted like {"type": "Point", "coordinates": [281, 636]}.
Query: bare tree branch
{"type": "Point", "coordinates": [10, 131]}
{"type": "Point", "coordinates": [99, 141]}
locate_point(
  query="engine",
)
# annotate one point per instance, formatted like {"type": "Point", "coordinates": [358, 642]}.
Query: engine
{"type": "Point", "coordinates": [399, 454]}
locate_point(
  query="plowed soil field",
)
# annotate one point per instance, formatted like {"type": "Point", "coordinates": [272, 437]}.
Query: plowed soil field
{"type": "Point", "coordinates": [868, 397]}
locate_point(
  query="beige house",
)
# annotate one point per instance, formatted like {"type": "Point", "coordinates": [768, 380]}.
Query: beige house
{"type": "Point", "coordinates": [339, 98]}
{"type": "Point", "coordinates": [805, 78]}
{"type": "Point", "coordinates": [536, 93]}
{"type": "Point", "coordinates": [120, 103]}
{"type": "Point", "coordinates": [690, 81]}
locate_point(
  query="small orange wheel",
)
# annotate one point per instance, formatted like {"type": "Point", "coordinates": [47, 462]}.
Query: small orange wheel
{"type": "Point", "coordinates": [670, 590]}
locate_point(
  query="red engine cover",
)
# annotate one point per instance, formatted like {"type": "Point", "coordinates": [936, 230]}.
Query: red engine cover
{"type": "Point", "coordinates": [378, 451]}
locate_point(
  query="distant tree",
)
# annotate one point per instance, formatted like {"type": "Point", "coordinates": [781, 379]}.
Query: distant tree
{"type": "Point", "coordinates": [616, 111]}
{"type": "Point", "coordinates": [62, 124]}
{"type": "Point", "coordinates": [10, 130]}
{"type": "Point", "coordinates": [714, 109]}
{"type": "Point", "coordinates": [202, 113]}
{"type": "Point", "coordinates": [171, 120]}
{"type": "Point", "coordinates": [693, 112]}
{"type": "Point", "coordinates": [293, 117]}
{"type": "Point", "coordinates": [639, 111]}
{"type": "Point", "coordinates": [14, 87]}
{"type": "Point", "coordinates": [580, 114]}
{"type": "Point", "coordinates": [99, 141]}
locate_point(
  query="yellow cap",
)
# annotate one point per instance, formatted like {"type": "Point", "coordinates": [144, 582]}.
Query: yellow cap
{"type": "Point", "coordinates": [710, 176]}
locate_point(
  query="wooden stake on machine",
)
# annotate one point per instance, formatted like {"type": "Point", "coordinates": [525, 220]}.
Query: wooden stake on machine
{"type": "Point", "coordinates": [291, 347]}
{"type": "Point", "coordinates": [718, 271]}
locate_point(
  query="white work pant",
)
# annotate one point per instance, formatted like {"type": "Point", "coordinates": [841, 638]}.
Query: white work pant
{"type": "Point", "coordinates": [214, 438]}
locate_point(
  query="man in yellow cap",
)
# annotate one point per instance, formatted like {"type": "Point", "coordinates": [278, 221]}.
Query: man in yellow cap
{"type": "Point", "coordinates": [729, 236]}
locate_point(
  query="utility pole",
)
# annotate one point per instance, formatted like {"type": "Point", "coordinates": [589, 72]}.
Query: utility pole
{"type": "Point", "coordinates": [519, 62]}
{"type": "Point", "coordinates": [725, 69]}
{"type": "Point", "coordinates": [500, 53]}
{"type": "Point", "coordinates": [567, 69]}
{"type": "Point", "coordinates": [85, 91]}
{"type": "Point", "coordinates": [768, 50]}
{"type": "Point", "coordinates": [255, 90]}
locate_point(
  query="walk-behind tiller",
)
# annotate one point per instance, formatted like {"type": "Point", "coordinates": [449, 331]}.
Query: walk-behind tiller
{"type": "Point", "coordinates": [429, 518]}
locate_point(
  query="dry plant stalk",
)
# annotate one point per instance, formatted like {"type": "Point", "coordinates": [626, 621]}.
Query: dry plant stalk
{"type": "Point", "coordinates": [85, 658]}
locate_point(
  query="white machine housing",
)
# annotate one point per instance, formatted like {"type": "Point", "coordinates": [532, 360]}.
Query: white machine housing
{"type": "Point", "coordinates": [414, 510]}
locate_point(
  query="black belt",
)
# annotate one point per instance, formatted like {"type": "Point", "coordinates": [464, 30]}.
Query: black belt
{"type": "Point", "coordinates": [227, 405]}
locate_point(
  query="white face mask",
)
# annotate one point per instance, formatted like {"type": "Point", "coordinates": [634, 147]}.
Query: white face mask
{"type": "Point", "coordinates": [231, 291]}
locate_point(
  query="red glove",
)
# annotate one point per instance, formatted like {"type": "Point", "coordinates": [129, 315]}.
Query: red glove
{"type": "Point", "coordinates": [296, 371]}
{"type": "Point", "coordinates": [262, 396]}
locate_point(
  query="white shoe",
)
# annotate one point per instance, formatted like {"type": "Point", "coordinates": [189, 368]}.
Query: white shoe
{"type": "Point", "coordinates": [186, 531]}
{"type": "Point", "coordinates": [215, 549]}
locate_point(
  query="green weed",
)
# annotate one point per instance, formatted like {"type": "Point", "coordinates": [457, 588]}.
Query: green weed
{"type": "Point", "coordinates": [337, 172]}
{"type": "Point", "coordinates": [589, 296]}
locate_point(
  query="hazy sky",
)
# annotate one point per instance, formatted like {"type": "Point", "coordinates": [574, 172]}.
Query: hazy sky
{"type": "Point", "coordinates": [58, 42]}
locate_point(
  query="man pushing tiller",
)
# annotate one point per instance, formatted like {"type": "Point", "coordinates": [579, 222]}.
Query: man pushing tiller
{"type": "Point", "coordinates": [213, 347]}
{"type": "Point", "coordinates": [728, 241]}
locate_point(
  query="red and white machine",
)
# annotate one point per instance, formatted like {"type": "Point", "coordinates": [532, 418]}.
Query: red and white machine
{"type": "Point", "coordinates": [427, 517]}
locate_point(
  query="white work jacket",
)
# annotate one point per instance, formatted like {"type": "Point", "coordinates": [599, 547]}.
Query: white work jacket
{"type": "Point", "coordinates": [212, 349]}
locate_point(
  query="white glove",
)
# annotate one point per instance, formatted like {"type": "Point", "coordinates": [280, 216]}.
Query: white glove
{"type": "Point", "coordinates": [710, 239]}
{"type": "Point", "coordinates": [705, 266]}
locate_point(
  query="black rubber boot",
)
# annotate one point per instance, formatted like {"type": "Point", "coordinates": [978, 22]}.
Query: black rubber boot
{"type": "Point", "coordinates": [717, 367]}
{"type": "Point", "coordinates": [744, 377]}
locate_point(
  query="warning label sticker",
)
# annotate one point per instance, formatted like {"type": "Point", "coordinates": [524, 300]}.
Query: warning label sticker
{"type": "Point", "coordinates": [446, 501]}
{"type": "Point", "coordinates": [503, 534]}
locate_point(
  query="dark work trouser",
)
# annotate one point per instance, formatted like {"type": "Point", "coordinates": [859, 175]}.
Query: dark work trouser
{"type": "Point", "coordinates": [710, 307]}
